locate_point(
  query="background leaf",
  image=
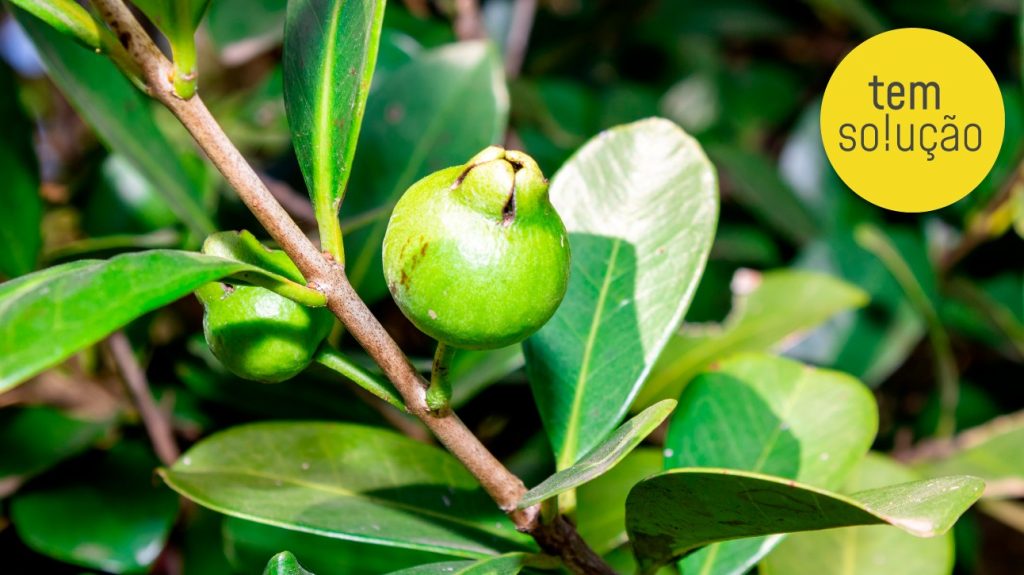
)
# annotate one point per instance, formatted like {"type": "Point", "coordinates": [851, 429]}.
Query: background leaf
{"type": "Point", "coordinates": [782, 304]}
{"type": "Point", "coordinates": [345, 481]}
{"type": "Point", "coordinates": [863, 550]}
{"type": "Point", "coordinates": [435, 112]}
{"type": "Point", "coordinates": [20, 229]}
{"type": "Point", "coordinates": [605, 456]}
{"type": "Point", "coordinates": [330, 50]}
{"type": "Point", "coordinates": [991, 452]}
{"type": "Point", "coordinates": [111, 516]}
{"type": "Point", "coordinates": [678, 511]}
{"type": "Point", "coordinates": [601, 504]}
{"type": "Point", "coordinates": [37, 438]}
{"type": "Point", "coordinates": [51, 314]}
{"type": "Point", "coordinates": [640, 203]}
{"type": "Point", "coordinates": [769, 415]}
{"type": "Point", "coordinates": [121, 116]}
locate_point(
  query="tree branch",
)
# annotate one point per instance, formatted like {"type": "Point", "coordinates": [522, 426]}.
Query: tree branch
{"type": "Point", "coordinates": [523, 13]}
{"type": "Point", "coordinates": [328, 276]}
{"type": "Point", "coordinates": [157, 425]}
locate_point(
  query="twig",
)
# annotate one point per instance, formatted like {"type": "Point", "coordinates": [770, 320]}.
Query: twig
{"type": "Point", "coordinates": [518, 39]}
{"type": "Point", "coordinates": [156, 422]}
{"type": "Point", "coordinates": [328, 276]}
{"type": "Point", "coordinates": [979, 229]}
{"type": "Point", "coordinates": [468, 24]}
{"type": "Point", "coordinates": [875, 241]}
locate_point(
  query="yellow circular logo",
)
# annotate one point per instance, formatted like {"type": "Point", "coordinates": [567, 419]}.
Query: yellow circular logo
{"type": "Point", "coordinates": [912, 120]}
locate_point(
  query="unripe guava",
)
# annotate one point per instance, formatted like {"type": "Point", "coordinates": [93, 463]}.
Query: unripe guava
{"type": "Point", "coordinates": [475, 255]}
{"type": "Point", "coordinates": [258, 334]}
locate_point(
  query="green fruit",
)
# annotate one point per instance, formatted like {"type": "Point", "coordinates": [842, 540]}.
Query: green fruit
{"type": "Point", "coordinates": [258, 334]}
{"type": "Point", "coordinates": [476, 256]}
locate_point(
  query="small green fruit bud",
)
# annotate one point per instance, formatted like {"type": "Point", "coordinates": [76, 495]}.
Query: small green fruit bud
{"type": "Point", "coordinates": [258, 334]}
{"type": "Point", "coordinates": [475, 255]}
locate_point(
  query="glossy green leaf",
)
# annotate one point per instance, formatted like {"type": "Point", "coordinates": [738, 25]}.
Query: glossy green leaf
{"type": "Point", "coordinates": [121, 116]}
{"type": "Point", "coordinates": [37, 438]}
{"type": "Point", "coordinates": [640, 203]}
{"type": "Point", "coordinates": [863, 550]}
{"type": "Point", "coordinates": [284, 563]}
{"type": "Point", "coordinates": [48, 315]}
{"type": "Point", "coordinates": [606, 455]}
{"type": "Point", "coordinates": [276, 272]}
{"type": "Point", "coordinates": [782, 304]}
{"type": "Point", "coordinates": [109, 516]}
{"type": "Point", "coordinates": [251, 543]}
{"type": "Point", "coordinates": [769, 415]}
{"type": "Point", "coordinates": [21, 217]}
{"type": "Point", "coordinates": [508, 564]}
{"type": "Point", "coordinates": [433, 113]}
{"type": "Point", "coordinates": [67, 17]}
{"type": "Point", "coordinates": [601, 504]}
{"type": "Point", "coordinates": [991, 452]}
{"type": "Point", "coordinates": [674, 513]}
{"type": "Point", "coordinates": [345, 481]}
{"type": "Point", "coordinates": [330, 50]}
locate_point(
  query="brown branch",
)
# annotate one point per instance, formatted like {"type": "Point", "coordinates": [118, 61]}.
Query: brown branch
{"type": "Point", "coordinates": [156, 422]}
{"type": "Point", "coordinates": [468, 24]}
{"type": "Point", "coordinates": [979, 229]}
{"type": "Point", "coordinates": [328, 276]}
{"type": "Point", "coordinates": [296, 204]}
{"type": "Point", "coordinates": [518, 39]}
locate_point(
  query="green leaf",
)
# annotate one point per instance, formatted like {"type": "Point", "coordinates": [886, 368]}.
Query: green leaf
{"type": "Point", "coordinates": [121, 116]}
{"type": "Point", "coordinates": [991, 452]}
{"type": "Point", "coordinates": [37, 438]}
{"type": "Point", "coordinates": [276, 271]}
{"type": "Point", "coordinates": [330, 49]}
{"type": "Point", "coordinates": [640, 202]}
{"type": "Point", "coordinates": [863, 550]}
{"type": "Point", "coordinates": [251, 543]}
{"type": "Point", "coordinates": [508, 564]}
{"type": "Point", "coordinates": [284, 563]}
{"type": "Point", "coordinates": [21, 218]}
{"type": "Point", "coordinates": [67, 17]}
{"type": "Point", "coordinates": [603, 457]}
{"type": "Point", "coordinates": [873, 341]}
{"type": "Point", "coordinates": [345, 481]}
{"type": "Point", "coordinates": [109, 516]}
{"type": "Point", "coordinates": [769, 415]}
{"type": "Point", "coordinates": [674, 513]}
{"type": "Point", "coordinates": [783, 303]}
{"type": "Point", "coordinates": [178, 20]}
{"type": "Point", "coordinates": [757, 185]}
{"type": "Point", "coordinates": [48, 315]}
{"type": "Point", "coordinates": [601, 504]}
{"type": "Point", "coordinates": [433, 113]}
